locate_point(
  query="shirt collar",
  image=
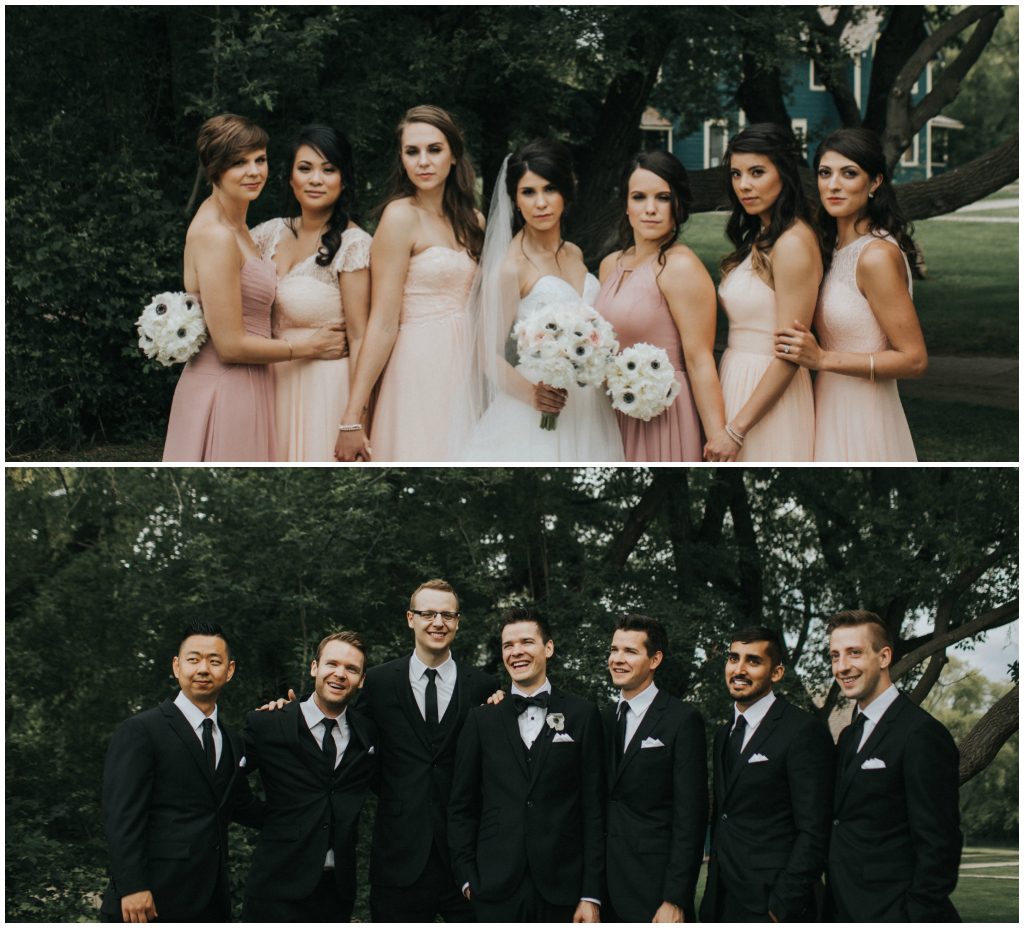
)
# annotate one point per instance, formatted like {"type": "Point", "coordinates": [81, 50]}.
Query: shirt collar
{"type": "Point", "coordinates": [193, 714]}
{"type": "Point", "coordinates": [639, 704]}
{"type": "Point", "coordinates": [445, 671]}
{"type": "Point", "coordinates": [879, 704]}
{"type": "Point", "coordinates": [311, 712]}
{"type": "Point", "coordinates": [755, 714]}
{"type": "Point", "coordinates": [544, 688]}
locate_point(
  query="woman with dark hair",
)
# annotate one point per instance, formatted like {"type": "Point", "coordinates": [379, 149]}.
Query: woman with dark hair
{"type": "Point", "coordinates": [322, 259]}
{"type": "Point", "coordinates": [424, 256]}
{"type": "Point", "coordinates": [866, 322]}
{"type": "Point", "coordinates": [526, 266]}
{"type": "Point", "coordinates": [223, 407]}
{"type": "Point", "coordinates": [656, 290]}
{"type": "Point", "coordinates": [769, 281]}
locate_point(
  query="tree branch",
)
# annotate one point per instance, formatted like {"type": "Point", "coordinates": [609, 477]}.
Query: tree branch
{"type": "Point", "coordinates": [639, 518]}
{"type": "Point", "coordinates": [981, 744]}
{"type": "Point", "coordinates": [929, 678]}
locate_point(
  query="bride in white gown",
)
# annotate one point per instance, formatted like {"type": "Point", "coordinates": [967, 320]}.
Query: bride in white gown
{"type": "Point", "coordinates": [525, 266]}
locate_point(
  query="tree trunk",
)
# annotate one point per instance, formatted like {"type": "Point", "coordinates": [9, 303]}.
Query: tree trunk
{"type": "Point", "coordinates": [760, 93]}
{"type": "Point", "coordinates": [902, 36]}
{"type": "Point", "coordinates": [981, 744]}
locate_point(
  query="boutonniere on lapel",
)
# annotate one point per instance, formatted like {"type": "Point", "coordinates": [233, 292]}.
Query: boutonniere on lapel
{"type": "Point", "coordinates": [555, 721]}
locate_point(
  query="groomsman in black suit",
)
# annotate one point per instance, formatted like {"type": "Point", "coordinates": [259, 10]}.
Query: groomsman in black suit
{"type": "Point", "coordinates": [171, 783]}
{"type": "Point", "coordinates": [773, 776]}
{"type": "Point", "coordinates": [657, 785]}
{"type": "Point", "coordinates": [419, 703]}
{"type": "Point", "coordinates": [895, 847]}
{"type": "Point", "coordinates": [526, 817]}
{"type": "Point", "coordinates": [316, 759]}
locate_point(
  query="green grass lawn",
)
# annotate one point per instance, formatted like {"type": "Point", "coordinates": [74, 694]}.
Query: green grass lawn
{"type": "Point", "coordinates": [961, 432]}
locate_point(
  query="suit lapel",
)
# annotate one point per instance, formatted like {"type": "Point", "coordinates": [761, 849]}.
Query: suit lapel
{"type": "Point", "coordinates": [758, 739]}
{"type": "Point", "coordinates": [405, 699]}
{"type": "Point", "coordinates": [877, 736]}
{"type": "Point", "coordinates": [302, 741]}
{"type": "Point", "coordinates": [459, 705]}
{"type": "Point", "coordinates": [232, 754]}
{"type": "Point", "coordinates": [183, 730]}
{"type": "Point", "coordinates": [650, 720]}
{"type": "Point", "coordinates": [358, 744]}
{"type": "Point", "coordinates": [543, 741]}
{"type": "Point", "coordinates": [510, 722]}
{"type": "Point", "coordinates": [718, 773]}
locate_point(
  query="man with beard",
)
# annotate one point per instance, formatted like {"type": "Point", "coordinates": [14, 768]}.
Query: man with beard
{"type": "Point", "coordinates": [773, 775]}
{"type": "Point", "coordinates": [316, 759]}
{"type": "Point", "coordinates": [894, 854]}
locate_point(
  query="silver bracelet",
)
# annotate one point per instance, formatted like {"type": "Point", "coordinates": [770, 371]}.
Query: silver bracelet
{"type": "Point", "coordinates": [734, 435]}
{"type": "Point", "coordinates": [350, 428]}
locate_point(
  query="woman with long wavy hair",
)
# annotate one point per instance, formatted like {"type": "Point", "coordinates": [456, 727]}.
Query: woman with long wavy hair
{"type": "Point", "coordinates": [769, 281]}
{"type": "Point", "coordinates": [322, 259]}
{"type": "Point", "coordinates": [424, 255]}
{"type": "Point", "coordinates": [867, 329]}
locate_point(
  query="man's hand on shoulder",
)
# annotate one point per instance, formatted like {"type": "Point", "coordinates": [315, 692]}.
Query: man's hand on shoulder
{"type": "Point", "coordinates": [278, 703]}
{"type": "Point", "coordinates": [138, 907]}
{"type": "Point", "coordinates": [587, 913]}
{"type": "Point", "coordinates": [496, 697]}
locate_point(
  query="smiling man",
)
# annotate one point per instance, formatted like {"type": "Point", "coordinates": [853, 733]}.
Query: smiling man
{"type": "Point", "coordinates": [525, 821]}
{"type": "Point", "coordinates": [170, 785]}
{"type": "Point", "coordinates": [773, 774]}
{"type": "Point", "coordinates": [895, 848]}
{"type": "Point", "coordinates": [657, 784]}
{"type": "Point", "coordinates": [316, 759]}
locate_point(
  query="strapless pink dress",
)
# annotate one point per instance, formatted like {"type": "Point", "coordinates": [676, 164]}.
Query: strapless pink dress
{"type": "Point", "coordinates": [225, 412]}
{"type": "Point", "coordinates": [786, 431]}
{"type": "Point", "coordinates": [637, 310]}
{"type": "Point", "coordinates": [414, 416]}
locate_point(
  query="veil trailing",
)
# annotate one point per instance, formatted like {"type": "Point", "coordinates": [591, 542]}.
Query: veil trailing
{"type": "Point", "coordinates": [493, 301]}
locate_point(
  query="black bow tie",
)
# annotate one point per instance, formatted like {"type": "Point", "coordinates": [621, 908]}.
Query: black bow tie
{"type": "Point", "coordinates": [522, 703]}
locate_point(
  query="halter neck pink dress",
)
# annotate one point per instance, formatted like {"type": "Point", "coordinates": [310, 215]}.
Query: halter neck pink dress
{"type": "Point", "coordinates": [786, 431]}
{"type": "Point", "coordinates": [638, 311]}
{"type": "Point", "coordinates": [414, 418]}
{"type": "Point", "coordinates": [225, 412]}
{"type": "Point", "coordinates": [855, 419]}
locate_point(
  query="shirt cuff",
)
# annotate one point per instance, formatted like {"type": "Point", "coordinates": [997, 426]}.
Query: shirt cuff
{"type": "Point", "coordinates": [596, 902]}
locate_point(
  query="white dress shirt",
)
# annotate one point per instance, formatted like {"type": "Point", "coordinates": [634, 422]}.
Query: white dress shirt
{"type": "Point", "coordinates": [531, 722]}
{"type": "Point", "coordinates": [638, 707]}
{"type": "Point", "coordinates": [315, 720]}
{"type": "Point", "coordinates": [445, 682]}
{"type": "Point", "coordinates": [873, 713]}
{"type": "Point", "coordinates": [195, 717]}
{"type": "Point", "coordinates": [754, 714]}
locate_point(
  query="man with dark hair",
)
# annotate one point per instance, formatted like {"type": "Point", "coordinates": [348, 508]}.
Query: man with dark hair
{"type": "Point", "coordinates": [317, 759]}
{"type": "Point", "coordinates": [419, 703]}
{"type": "Point", "coordinates": [171, 782]}
{"type": "Point", "coordinates": [773, 775]}
{"type": "Point", "coordinates": [895, 848]}
{"type": "Point", "coordinates": [657, 785]}
{"type": "Point", "coordinates": [526, 817]}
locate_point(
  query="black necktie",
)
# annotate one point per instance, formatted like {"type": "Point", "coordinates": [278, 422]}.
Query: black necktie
{"type": "Point", "coordinates": [209, 748]}
{"type": "Point", "coordinates": [856, 733]}
{"type": "Point", "coordinates": [735, 746]}
{"type": "Point", "coordinates": [430, 703]}
{"type": "Point", "coordinates": [329, 747]}
{"type": "Point", "coordinates": [620, 729]}
{"type": "Point", "coordinates": [522, 703]}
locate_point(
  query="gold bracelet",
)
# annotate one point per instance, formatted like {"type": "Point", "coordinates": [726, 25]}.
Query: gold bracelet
{"type": "Point", "coordinates": [872, 359]}
{"type": "Point", "coordinates": [291, 350]}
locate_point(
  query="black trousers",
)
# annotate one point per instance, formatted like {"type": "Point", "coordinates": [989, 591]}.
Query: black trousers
{"type": "Point", "coordinates": [324, 904]}
{"type": "Point", "coordinates": [433, 893]}
{"type": "Point", "coordinates": [526, 904]}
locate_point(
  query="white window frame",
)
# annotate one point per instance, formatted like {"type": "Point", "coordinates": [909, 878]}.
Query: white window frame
{"type": "Point", "coordinates": [708, 125]}
{"type": "Point", "coordinates": [800, 123]}
{"type": "Point", "coordinates": [667, 129]}
{"type": "Point", "coordinates": [814, 85]}
{"type": "Point", "coordinates": [914, 152]}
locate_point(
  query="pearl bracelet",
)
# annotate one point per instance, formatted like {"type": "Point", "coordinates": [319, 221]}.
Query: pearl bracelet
{"type": "Point", "coordinates": [350, 428]}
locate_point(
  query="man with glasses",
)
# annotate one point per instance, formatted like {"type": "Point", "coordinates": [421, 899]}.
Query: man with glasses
{"type": "Point", "coordinates": [419, 703]}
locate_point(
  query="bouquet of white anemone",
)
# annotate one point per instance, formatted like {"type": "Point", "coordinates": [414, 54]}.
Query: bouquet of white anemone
{"type": "Point", "coordinates": [562, 344]}
{"type": "Point", "coordinates": [642, 382]}
{"type": "Point", "coordinates": [171, 328]}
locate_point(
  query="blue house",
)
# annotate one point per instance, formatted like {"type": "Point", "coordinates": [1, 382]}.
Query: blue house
{"type": "Point", "coordinates": [813, 114]}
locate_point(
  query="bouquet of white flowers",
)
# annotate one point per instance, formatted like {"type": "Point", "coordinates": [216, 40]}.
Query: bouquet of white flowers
{"type": "Point", "coordinates": [641, 381]}
{"type": "Point", "coordinates": [562, 344]}
{"type": "Point", "coordinates": [171, 328]}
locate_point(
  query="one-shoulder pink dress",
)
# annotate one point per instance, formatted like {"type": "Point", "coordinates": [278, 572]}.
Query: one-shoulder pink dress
{"type": "Point", "coordinates": [225, 412]}
{"type": "Point", "coordinates": [632, 302]}
{"type": "Point", "coordinates": [415, 415]}
{"type": "Point", "coordinates": [786, 431]}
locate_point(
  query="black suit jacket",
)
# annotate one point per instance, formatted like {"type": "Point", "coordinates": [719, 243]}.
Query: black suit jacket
{"type": "Point", "coordinates": [771, 818]}
{"type": "Point", "coordinates": [166, 816]}
{"type": "Point", "coordinates": [415, 776]}
{"type": "Point", "coordinates": [302, 795]}
{"type": "Point", "coordinates": [895, 847]}
{"type": "Point", "coordinates": [657, 810]}
{"type": "Point", "coordinates": [508, 814]}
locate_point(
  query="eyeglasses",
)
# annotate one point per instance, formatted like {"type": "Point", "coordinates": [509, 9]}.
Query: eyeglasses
{"type": "Point", "coordinates": [434, 614]}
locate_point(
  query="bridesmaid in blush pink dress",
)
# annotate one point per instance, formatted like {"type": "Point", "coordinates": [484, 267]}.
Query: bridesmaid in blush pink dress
{"type": "Point", "coordinates": [770, 280]}
{"type": "Point", "coordinates": [866, 324]}
{"type": "Point", "coordinates": [656, 290]}
{"type": "Point", "coordinates": [424, 256]}
{"type": "Point", "coordinates": [223, 407]}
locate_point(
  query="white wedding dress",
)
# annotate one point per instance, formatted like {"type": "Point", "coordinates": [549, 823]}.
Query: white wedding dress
{"type": "Point", "coordinates": [587, 429]}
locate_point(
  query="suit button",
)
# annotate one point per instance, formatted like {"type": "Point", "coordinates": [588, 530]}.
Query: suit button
{"type": "Point", "coordinates": [724, 816]}
{"type": "Point", "coordinates": [835, 822]}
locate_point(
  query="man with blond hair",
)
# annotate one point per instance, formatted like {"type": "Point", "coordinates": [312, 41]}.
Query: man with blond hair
{"type": "Point", "coordinates": [419, 703]}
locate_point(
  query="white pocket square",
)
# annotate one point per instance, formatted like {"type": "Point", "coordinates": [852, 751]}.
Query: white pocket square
{"type": "Point", "coordinates": [757, 759]}
{"type": "Point", "coordinates": [561, 736]}
{"type": "Point", "coordinates": [873, 763]}
{"type": "Point", "coordinates": [372, 750]}
{"type": "Point", "coordinates": [241, 763]}
{"type": "Point", "coordinates": [651, 743]}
